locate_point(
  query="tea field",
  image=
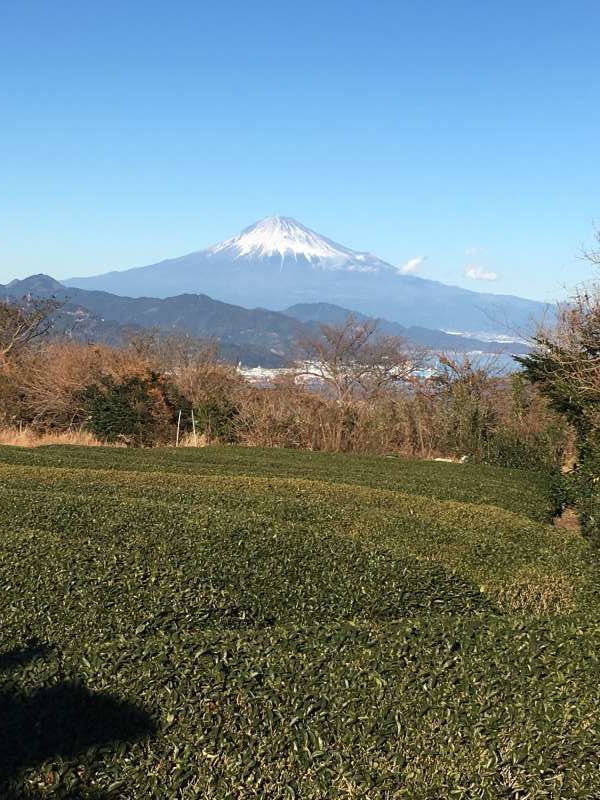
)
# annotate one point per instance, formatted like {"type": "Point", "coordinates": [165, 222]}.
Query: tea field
{"type": "Point", "coordinates": [237, 623]}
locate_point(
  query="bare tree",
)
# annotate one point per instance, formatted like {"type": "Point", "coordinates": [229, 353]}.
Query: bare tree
{"type": "Point", "coordinates": [193, 364]}
{"type": "Point", "coordinates": [23, 322]}
{"type": "Point", "coordinates": [171, 351]}
{"type": "Point", "coordinates": [354, 359]}
{"type": "Point", "coordinates": [592, 254]}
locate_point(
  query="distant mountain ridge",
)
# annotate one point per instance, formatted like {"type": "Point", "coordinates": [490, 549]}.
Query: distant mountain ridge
{"type": "Point", "coordinates": [330, 314]}
{"type": "Point", "coordinates": [256, 337]}
{"type": "Point", "coordinates": [253, 336]}
{"type": "Point", "coordinates": [278, 262]}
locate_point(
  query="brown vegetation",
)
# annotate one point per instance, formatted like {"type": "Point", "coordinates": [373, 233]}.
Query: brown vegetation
{"type": "Point", "coordinates": [29, 437]}
{"type": "Point", "coordinates": [21, 324]}
{"type": "Point", "coordinates": [353, 391]}
{"type": "Point", "coordinates": [352, 359]}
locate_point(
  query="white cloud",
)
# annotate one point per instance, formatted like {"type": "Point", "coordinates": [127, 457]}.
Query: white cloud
{"type": "Point", "coordinates": [474, 250]}
{"type": "Point", "coordinates": [411, 266]}
{"type": "Point", "coordinates": [480, 274]}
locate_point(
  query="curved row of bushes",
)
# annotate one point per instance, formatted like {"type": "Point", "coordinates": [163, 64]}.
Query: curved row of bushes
{"type": "Point", "coordinates": [267, 636]}
{"type": "Point", "coordinates": [528, 493]}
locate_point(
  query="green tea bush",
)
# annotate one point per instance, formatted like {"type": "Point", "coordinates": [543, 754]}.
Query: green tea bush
{"type": "Point", "coordinates": [528, 493]}
{"type": "Point", "coordinates": [208, 624]}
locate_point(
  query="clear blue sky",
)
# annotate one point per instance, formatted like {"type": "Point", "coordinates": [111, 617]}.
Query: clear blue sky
{"type": "Point", "coordinates": [136, 131]}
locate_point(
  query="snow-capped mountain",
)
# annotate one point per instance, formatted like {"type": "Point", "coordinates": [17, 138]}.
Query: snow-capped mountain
{"type": "Point", "coordinates": [279, 262]}
{"type": "Point", "coordinates": [285, 238]}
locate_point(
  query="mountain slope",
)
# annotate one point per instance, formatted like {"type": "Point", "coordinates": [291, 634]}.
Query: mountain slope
{"type": "Point", "coordinates": [254, 336]}
{"type": "Point", "coordinates": [329, 314]}
{"type": "Point", "coordinates": [279, 262]}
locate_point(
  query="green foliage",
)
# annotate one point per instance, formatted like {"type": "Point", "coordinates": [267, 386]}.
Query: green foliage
{"type": "Point", "coordinates": [117, 410]}
{"type": "Point", "coordinates": [565, 367]}
{"type": "Point", "coordinates": [216, 419]}
{"type": "Point", "coordinates": [514, 444]}
{"type": "Point", "coordinates": [140, 410]}
{"type": "Point", "coordinates": [530, 494]}
{"type": "Point", "coordinates": [360, 628]}
{"type": "Point", "coordinates": [586, 487]}
{"type": "Point", "coordinates": [539, 451]}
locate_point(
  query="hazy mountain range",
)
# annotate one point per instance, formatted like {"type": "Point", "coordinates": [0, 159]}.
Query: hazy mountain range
{"type": "Point", "coordinates": [278, 262]}
{"type": "Point", "coordinates": [253, 336]}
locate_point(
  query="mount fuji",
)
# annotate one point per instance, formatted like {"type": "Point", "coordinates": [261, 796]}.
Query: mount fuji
{"type": "Point", "coordinates": [278, 262]}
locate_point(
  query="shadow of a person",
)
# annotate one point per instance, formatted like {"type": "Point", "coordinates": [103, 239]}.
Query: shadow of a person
{"type": "Point", "coordinates": [58, 721]}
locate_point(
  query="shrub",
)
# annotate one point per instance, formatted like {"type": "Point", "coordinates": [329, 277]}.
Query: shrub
{"type": "Point", "coordinates": [586, 487]}
{"type": "Point", "coordinates": [216, 418]}
{"type": "Point", "coordinates": [141, 411]}
{"type": "Point", "coordinates": [542, 451]}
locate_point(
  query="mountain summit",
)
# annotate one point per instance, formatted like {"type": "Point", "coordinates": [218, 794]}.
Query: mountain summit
{"type": "Point", "coordinates": [286, 238]}
{"type": "Point", "coordinates": [279, 262]}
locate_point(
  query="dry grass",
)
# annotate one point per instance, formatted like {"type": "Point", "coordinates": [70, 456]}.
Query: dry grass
{"type": "Point", "coordinates": [189, 440]}
{"type": "Point", "coordinates": [568, 522]}
{"type": "Point", "coordinates": [27, 437]}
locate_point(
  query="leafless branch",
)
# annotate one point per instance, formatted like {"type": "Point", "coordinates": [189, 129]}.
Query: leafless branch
{"type": "Point", "coordinates": [23, 322]}
{"type": "Point", "coordinates": [352, 358]}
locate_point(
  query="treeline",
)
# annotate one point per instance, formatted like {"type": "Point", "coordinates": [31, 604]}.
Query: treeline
{"type": "Point", "coordinates": [352, 390]}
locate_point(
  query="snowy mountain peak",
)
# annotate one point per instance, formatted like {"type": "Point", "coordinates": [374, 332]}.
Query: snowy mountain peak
{"type": "Point", "coordinates": [285, 238]}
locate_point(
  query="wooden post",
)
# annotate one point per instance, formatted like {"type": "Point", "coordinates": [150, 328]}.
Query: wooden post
{"type": "Point", "coordinates": [194, 429]}
{"type": "Point", "coordinates": [178, 428]}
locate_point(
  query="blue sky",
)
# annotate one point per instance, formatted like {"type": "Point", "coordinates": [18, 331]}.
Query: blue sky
{"type": "Point", "coordinates": [466, 132]}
